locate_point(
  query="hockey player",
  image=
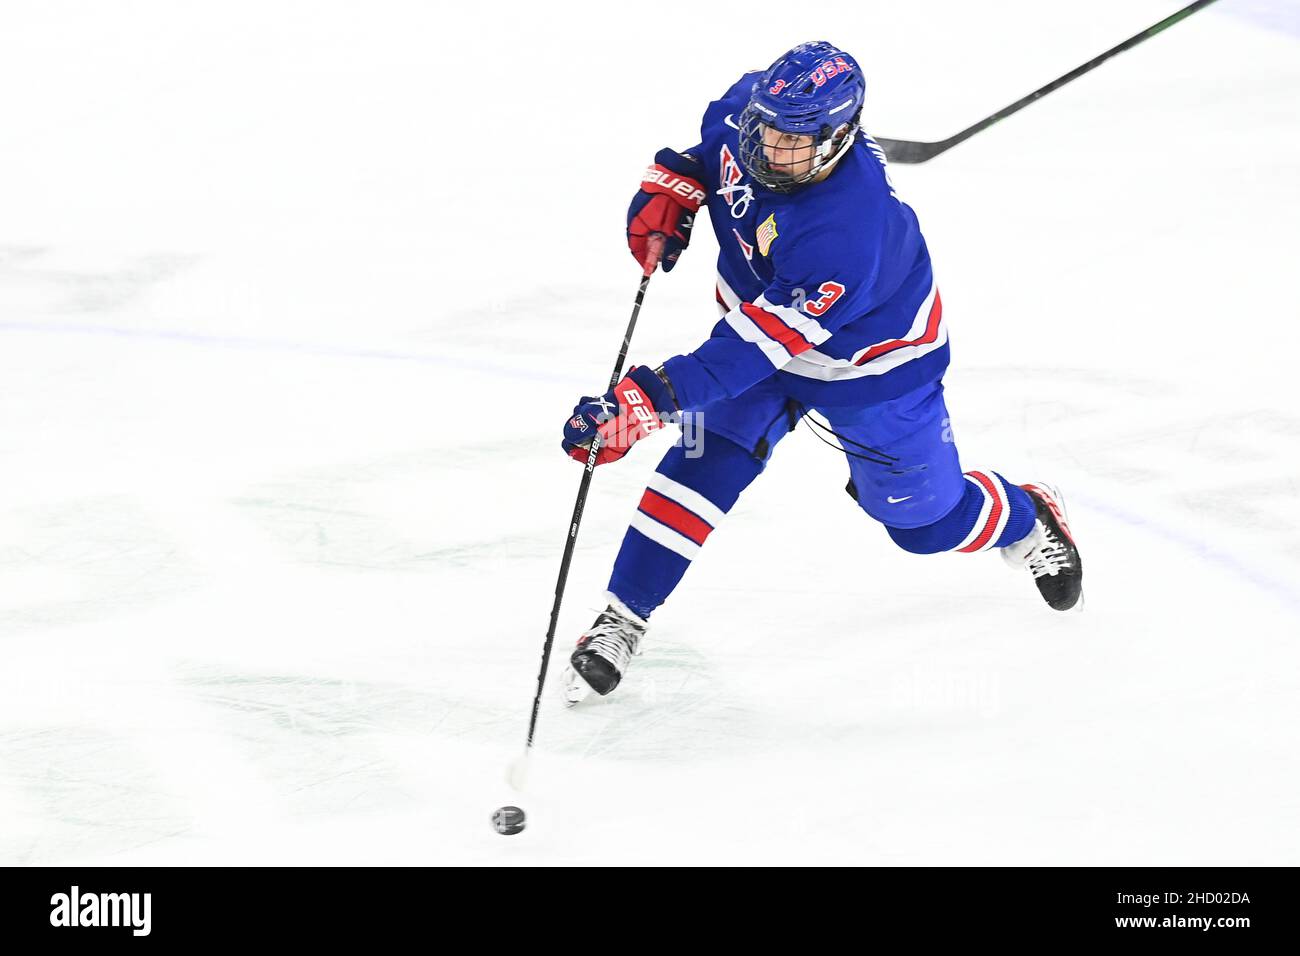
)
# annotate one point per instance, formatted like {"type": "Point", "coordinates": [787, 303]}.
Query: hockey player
{"type": "Point", "coordinates": [827, 303]}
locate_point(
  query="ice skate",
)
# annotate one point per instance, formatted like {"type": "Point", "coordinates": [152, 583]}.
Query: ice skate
{"type": "Point", "coordinates": [1049, 551]}
{"type": "Point", "coordinates": [603, 653]}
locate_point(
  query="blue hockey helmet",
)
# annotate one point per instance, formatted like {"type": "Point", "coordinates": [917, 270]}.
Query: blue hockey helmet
{"type": "Point", "coordinates": [815, 90]}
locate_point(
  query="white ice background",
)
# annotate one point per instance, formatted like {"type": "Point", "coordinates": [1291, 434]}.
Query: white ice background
{"type": "Point", "coordinates": [294, 298]}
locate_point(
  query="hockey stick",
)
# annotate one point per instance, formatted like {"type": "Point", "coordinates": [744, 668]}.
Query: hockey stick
{"type": "Point", "coordinates": [910, 151]}
{"type": "Point", "coordinates": [519, 768]}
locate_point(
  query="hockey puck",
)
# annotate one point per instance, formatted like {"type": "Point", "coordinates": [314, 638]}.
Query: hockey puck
{"type": "Point", "coordinates": [508, 820]}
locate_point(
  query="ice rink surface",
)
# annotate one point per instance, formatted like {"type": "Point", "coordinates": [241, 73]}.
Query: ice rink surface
{"type": "Point", "coordinates": [294, 298]}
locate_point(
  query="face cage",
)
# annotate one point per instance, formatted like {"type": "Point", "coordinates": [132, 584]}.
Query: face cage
{"type": "Point", "coordinates": [754, 157]}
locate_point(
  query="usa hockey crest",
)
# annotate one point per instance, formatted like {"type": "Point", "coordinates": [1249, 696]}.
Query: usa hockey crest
{"type": "Point", "coordinates": [737, 196]}
{"type": "Point", "coordinates": [730, 173]}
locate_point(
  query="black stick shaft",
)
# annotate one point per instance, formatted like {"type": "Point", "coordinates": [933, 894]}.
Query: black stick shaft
{"type": "Point", "coordinates": [581, 503]}
{"type": "Point", "coordinates": [910, 151]}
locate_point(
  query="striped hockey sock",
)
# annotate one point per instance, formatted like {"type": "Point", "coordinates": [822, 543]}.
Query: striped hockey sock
{"type": "Point", "coordinates": [683, 503]}
{"type": "Point", "coordinates": [992, 513]}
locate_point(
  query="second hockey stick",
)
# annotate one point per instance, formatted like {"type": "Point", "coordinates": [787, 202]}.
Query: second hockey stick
{"type": "Point", "coordinates": [911, 151]}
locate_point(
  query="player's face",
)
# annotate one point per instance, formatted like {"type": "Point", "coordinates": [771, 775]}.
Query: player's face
{"type": "Point", "coordinates": [788, 154]}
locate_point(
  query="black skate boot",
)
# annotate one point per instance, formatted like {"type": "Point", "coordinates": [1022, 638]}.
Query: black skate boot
{"type": "Point", "coordinates": [603, 653]}
{"type": "Point", "coordinates": [1049, 551]}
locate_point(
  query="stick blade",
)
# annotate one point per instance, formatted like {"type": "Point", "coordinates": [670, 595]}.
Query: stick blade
{"type": "Point", "coordinates": [909, 152]}
{"type": "Point", "coordinates": [517, 774]}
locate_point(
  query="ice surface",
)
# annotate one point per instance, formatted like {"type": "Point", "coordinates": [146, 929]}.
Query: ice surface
{"type": "Point", "coordinates": [294, 298]}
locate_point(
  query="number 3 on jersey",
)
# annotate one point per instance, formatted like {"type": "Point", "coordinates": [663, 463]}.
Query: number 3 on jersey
{"type": "Point", "coordinates": [830, 291]}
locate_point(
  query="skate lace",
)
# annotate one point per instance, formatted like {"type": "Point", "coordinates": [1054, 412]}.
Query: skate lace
{"type": "Point", "coordinates": [613, 640]}
{"type": "Point", "coordinates": [1049, 558]}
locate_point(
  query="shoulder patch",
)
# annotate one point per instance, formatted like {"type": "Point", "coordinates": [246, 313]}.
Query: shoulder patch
{"type": "Point", "coordinates": [766, 234]}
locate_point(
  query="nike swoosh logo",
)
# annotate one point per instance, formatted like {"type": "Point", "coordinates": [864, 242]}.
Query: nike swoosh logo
{"type": "Point", "coordinates": [728, 121]}
{"type": "Point", "coordinates": [894, 501]}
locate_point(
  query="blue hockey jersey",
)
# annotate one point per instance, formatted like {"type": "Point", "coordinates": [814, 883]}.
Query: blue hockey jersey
{"type": "Point", "coordinates": [829, 287]}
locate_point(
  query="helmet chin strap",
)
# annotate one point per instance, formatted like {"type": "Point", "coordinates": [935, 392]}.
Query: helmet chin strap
{"type": "Point", "coordinates": [840, 151]}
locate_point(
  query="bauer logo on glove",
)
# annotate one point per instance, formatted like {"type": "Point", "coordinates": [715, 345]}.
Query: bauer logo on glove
{"type": "Point", "coordinates": [669, 182]}
{"type": "Point", "coordinates": [638, 405]}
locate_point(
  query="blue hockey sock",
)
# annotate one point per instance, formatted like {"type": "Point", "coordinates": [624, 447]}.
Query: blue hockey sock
{"type": "Point", "coordinates": [682, 504]}
{"type": "Point", "coordinates": [992, 513]}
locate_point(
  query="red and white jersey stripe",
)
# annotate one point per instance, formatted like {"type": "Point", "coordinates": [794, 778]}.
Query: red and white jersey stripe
{"type": "Point", "coordinates": [675, 516]}
{"type": "Point", "coordinates": [789, 338]}
{"type": "Point", "coordinates": [927, 333]}
{"type": "Point", "coordinates": [993, 516]}
{"type": "Point", "coordinates": [781, 332]}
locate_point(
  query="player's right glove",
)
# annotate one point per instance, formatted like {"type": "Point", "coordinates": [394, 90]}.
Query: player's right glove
{"type": "Point", "coordinates": [670, 196]}
{"type": "Point", "coordinates": [632, 409]}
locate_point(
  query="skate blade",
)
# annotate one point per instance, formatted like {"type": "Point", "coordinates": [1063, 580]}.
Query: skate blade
{"type": "Point", "coordinates": [576, 690]}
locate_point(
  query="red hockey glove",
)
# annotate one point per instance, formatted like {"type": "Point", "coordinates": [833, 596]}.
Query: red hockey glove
{"type": "Point", "coordinates": [632, 409]}
{"type": "Point", "coordinates": [670, 196]}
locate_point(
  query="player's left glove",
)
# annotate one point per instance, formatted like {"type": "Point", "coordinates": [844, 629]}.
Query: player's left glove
{"type": "Point", "coordinates": [670, 196]}
{"type": "Point", "coordinates": [639, 404]}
